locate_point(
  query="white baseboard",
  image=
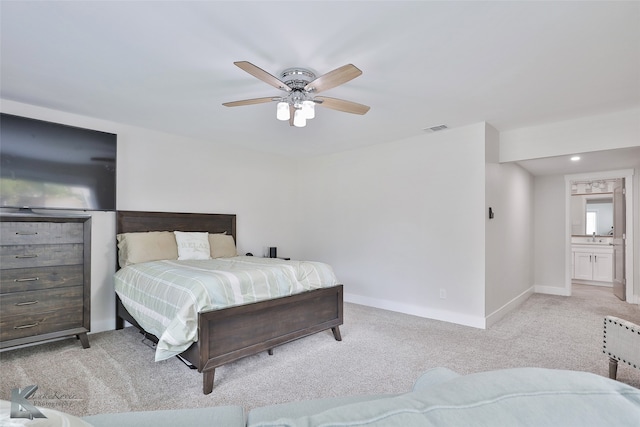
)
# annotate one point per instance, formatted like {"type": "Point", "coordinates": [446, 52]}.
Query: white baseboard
{"type": "Point", "coordinates": [551, 290]}
{"type": "Point", "coordinates": [508, 307]}
{"type": "Point", "coordinates": [592, 283]}
{"type": "Point", "coordinates": [102, 325]}
{"type": "Point", "coordinates": [554, 290]}
{"type": "Point", "coordinates": [443, 315]}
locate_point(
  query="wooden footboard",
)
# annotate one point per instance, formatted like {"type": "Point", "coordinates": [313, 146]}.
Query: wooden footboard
{"type": "Point", "coordinates": [232, 333]}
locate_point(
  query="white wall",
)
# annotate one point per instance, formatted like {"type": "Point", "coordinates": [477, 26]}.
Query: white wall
{"type": "Point", "coordinates": [401, 221]}
{"type": "Point", "coordinates": [162, 172]}
{"type": "Point", "coordinates": [549, 234]}
{"type": "Point", "coordinates": [594, 133]}
{"type": "Point", "coordinates": [636, 247]}
{"type": "Point", "coordinates": [509, 239]}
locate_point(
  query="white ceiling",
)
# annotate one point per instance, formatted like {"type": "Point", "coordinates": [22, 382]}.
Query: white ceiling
{"type": "Point", "coordinates": [169, 65]}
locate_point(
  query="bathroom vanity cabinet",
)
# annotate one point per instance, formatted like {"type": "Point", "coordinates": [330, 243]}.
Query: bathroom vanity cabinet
{"type": "Point", "coordinates": [592, 263]}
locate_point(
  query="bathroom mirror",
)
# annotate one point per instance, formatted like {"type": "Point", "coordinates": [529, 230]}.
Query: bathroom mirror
{"type": "Point", "coordinates": [592, 213]}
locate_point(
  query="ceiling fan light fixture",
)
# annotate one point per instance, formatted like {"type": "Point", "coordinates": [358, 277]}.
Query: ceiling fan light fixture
{"type": "Point", "coordinates": [299, 119]}
{"type": "Point", "coordinates": [282, 111]}
{"type": "Point", "coordinates": [309, 109]}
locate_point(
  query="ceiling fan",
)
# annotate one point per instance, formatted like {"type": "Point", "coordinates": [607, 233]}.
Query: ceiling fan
{"type": "Point", "coordinates": [301, 85]}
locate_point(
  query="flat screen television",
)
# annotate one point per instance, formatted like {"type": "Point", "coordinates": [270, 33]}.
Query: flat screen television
{"type": "Point", "coordinates": [46, 165]}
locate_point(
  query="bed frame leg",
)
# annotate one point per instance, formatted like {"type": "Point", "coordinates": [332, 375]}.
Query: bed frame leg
{"type": "Point", "coordinates": [270, 351]}
{"type": "Point", "coordinates": [207, 381]}
{"type": "Point", "coordinates": [336, 333]}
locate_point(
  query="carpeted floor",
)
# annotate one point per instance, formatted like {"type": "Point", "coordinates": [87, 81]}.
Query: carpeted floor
{"type": "Point", "coordinates": [381, 352]}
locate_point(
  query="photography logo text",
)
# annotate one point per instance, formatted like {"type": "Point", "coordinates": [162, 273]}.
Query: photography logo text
{"type": "Point", "coordinates": [21, 407]}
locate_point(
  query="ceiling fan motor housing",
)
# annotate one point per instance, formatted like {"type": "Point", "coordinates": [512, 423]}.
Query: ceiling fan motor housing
{"type": "Point", "coordinates": [297, 78]}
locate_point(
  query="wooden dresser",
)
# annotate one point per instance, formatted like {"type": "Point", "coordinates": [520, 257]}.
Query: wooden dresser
{"type": "Point", "coordinates": [45, 278]}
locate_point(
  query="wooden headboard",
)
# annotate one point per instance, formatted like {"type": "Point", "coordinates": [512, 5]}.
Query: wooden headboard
{"type": "Point", "coordinates": [139, 221]}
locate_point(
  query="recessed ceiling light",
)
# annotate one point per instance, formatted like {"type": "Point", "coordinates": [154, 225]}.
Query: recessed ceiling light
{"type": "Point", "coordinates": [575, 158]}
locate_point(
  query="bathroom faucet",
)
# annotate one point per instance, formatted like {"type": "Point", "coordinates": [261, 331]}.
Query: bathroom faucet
{"type": "Point", "coordinates": [594, 237]}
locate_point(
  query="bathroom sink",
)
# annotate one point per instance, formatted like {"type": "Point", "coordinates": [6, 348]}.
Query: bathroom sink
{"type": "Point", "coordinates": [593, 243]}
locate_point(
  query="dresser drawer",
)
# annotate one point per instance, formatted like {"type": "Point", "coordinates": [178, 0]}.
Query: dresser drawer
{"type": "Point", "coordinates": [25, 256]}
{"type": "Point", "coordinates": [40, 233]}
{"type": "Point", "coordinates": [13, 327]}
{"type": "Point", "coordinates": [31, 302]}
{"type": "Point", "coordinates": [31, 279]}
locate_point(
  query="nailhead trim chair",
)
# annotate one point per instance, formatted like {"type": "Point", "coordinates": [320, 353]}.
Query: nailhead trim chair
{"type": "Point", "coordinates": [621, 343]}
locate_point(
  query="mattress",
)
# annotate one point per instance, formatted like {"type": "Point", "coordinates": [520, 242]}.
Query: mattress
{"type": "Point", "coordinates": [166, 296]}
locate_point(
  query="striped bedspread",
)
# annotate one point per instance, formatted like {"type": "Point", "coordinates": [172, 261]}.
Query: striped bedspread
{"type": "Point", "coordinates": [166, 296]}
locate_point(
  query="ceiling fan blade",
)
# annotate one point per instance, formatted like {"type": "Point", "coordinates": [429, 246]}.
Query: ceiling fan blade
{"type": "Point", "coordinates": [262, 75]}
{"type": "Point", "coordinates": [249, 102]}
{"type": "Point", "coordinates": [342, 105]}
{"type": "Point", "coordinates": [333, 78]}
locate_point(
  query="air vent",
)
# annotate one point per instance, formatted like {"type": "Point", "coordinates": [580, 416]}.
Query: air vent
{"type": "Point", "coordinates": [436, 128]}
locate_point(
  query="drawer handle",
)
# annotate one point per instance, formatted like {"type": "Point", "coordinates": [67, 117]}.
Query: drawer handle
{"type": "Point", "coordinates": [26, 303]}
{"type": "Point", "coordinates": [26, 326]}
{"type": "Point", "coordinates": [27, 279]}
{"type": "Point", "coordinates": [21, 233]}
{"type": "Point", "coordinates": [26, 256]}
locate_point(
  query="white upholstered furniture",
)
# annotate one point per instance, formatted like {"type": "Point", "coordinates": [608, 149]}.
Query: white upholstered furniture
{"type": "Point", "coordinates": [533, 397]}
{"type": "Point", "coordinates": [621, 343]}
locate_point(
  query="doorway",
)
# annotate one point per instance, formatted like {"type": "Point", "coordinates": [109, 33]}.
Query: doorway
{"type": "Point", "coordinates": [621, 257]}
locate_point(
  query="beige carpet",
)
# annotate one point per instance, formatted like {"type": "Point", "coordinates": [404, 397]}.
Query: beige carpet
{"type": "Point", "coordinates": [381, 352]}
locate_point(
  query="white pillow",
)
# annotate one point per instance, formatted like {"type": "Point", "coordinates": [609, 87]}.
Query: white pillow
{"type": "Point", "coordinates": [194, 245]}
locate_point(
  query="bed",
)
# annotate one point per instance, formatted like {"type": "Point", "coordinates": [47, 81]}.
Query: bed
{"type": "Point", "coordinates": [228, 334]}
